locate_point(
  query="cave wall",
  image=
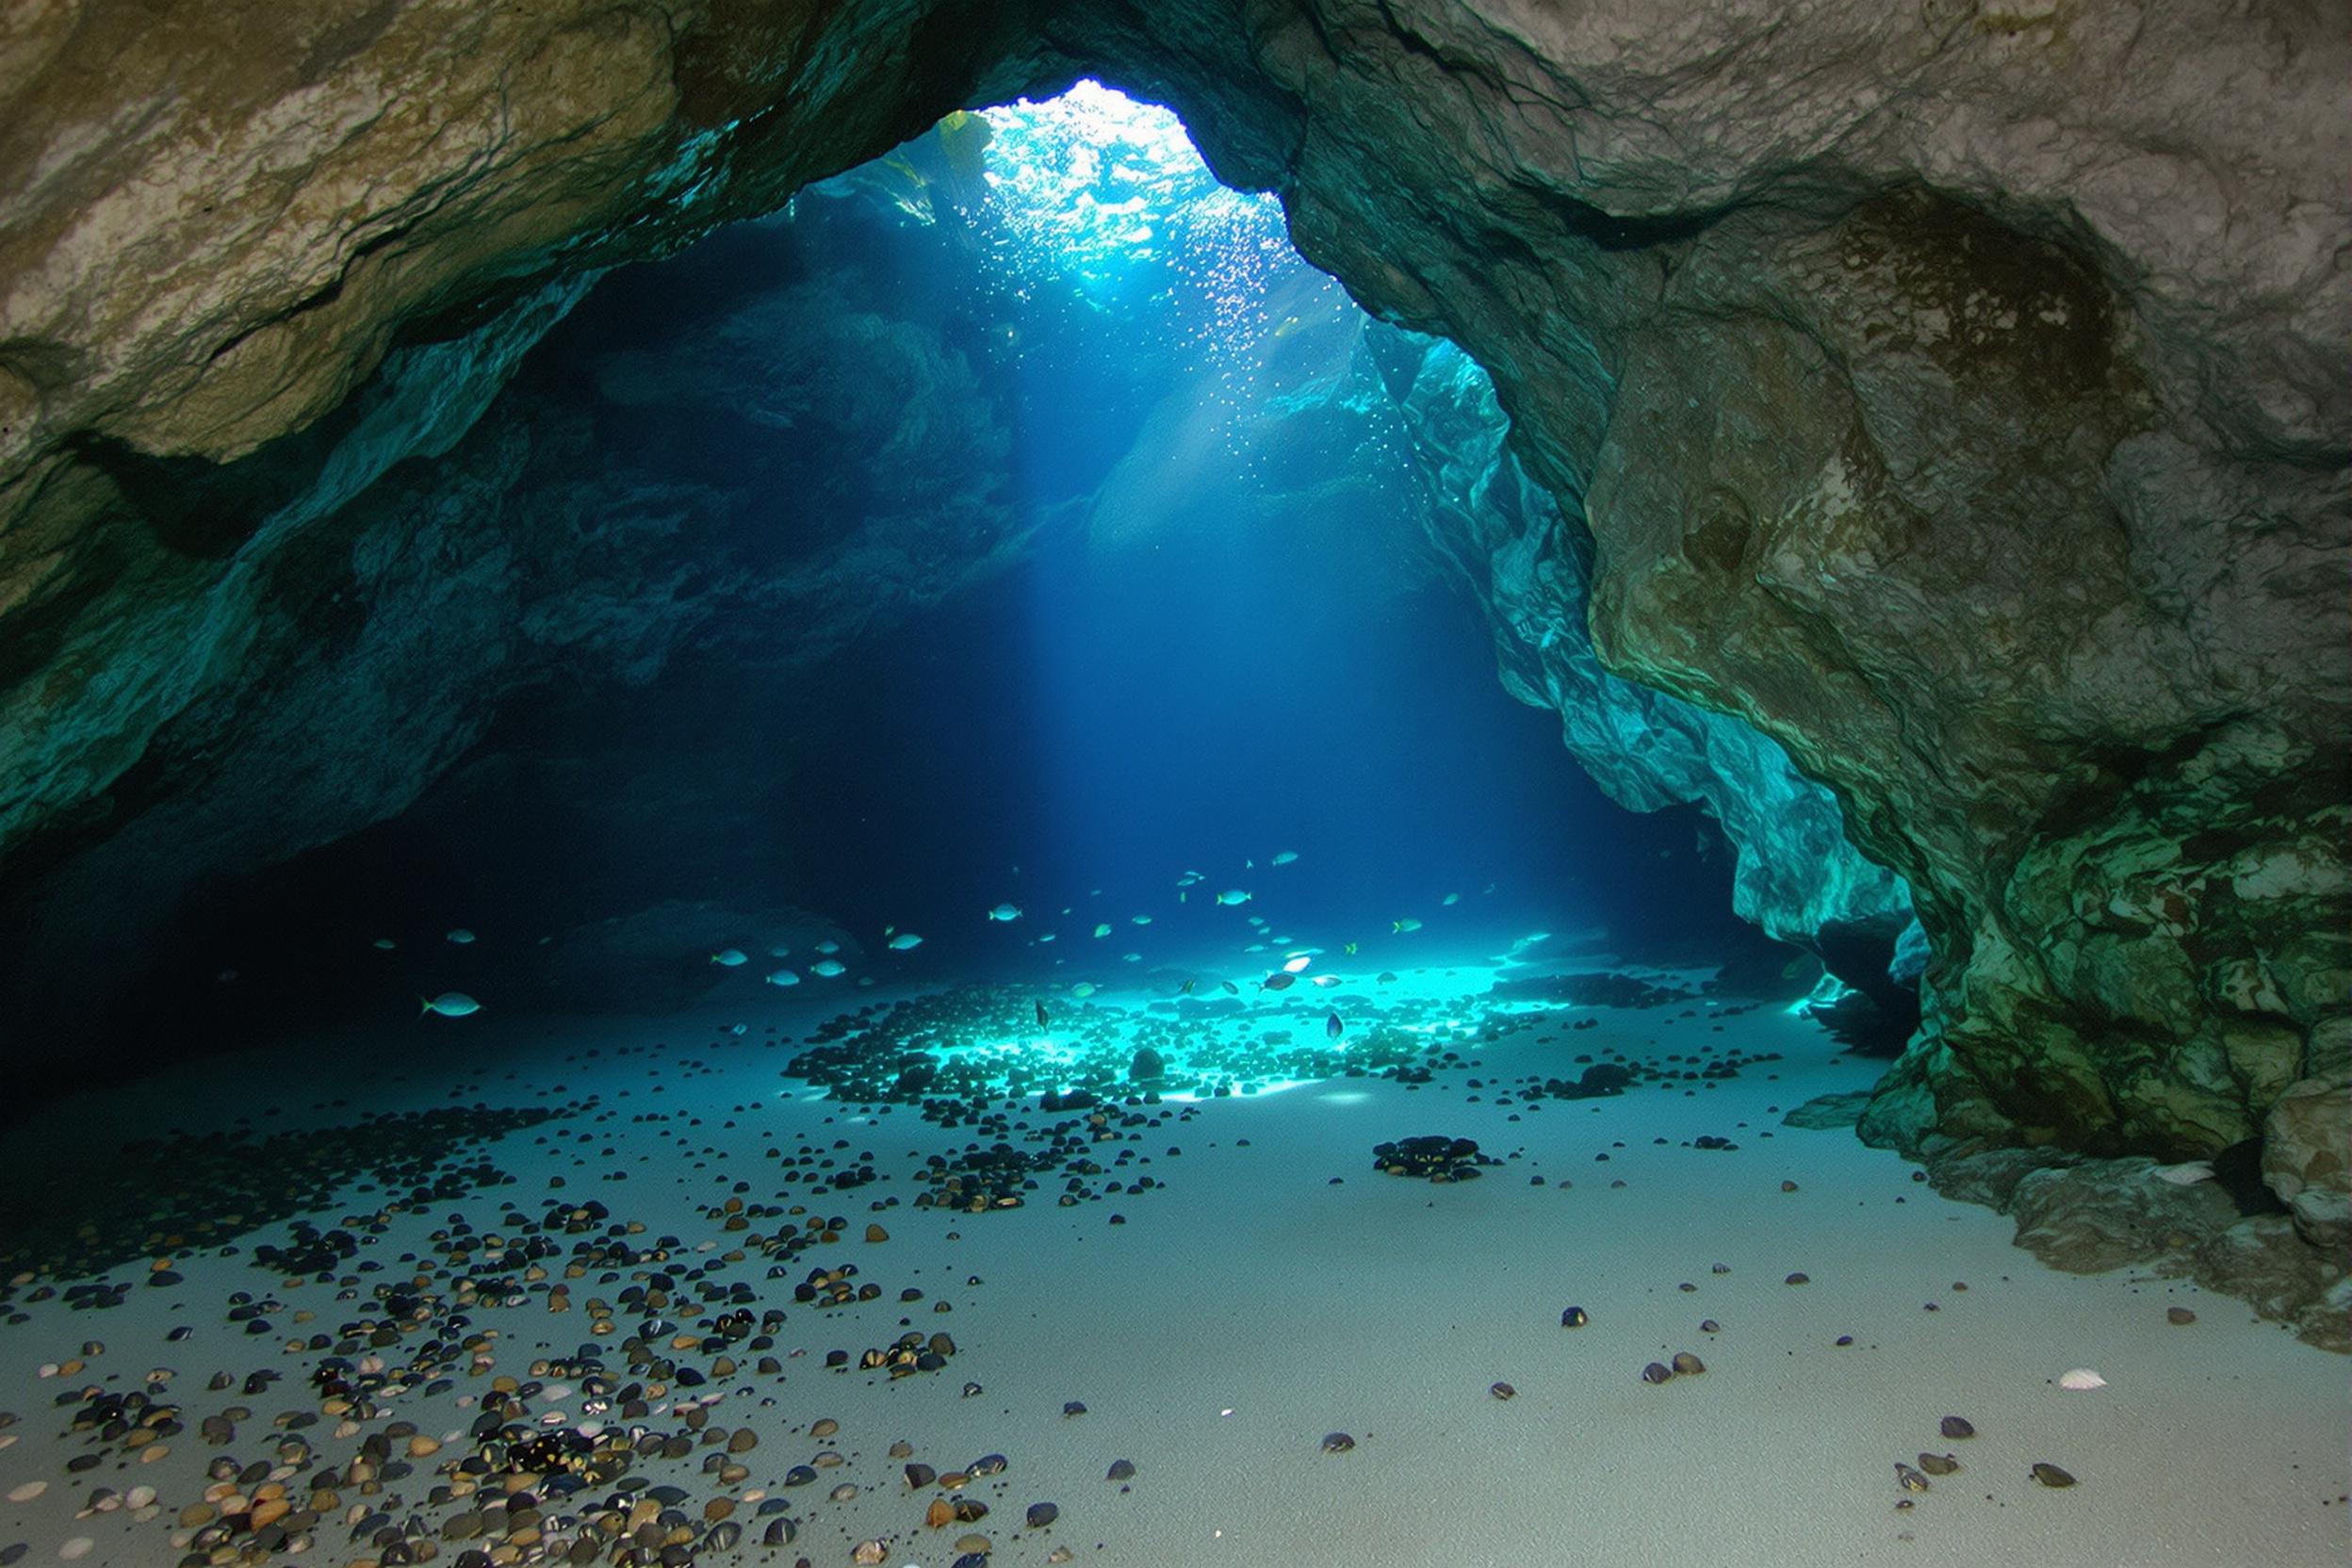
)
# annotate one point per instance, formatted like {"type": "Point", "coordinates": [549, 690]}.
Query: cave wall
{"type": "Point", "coordinates": [1958, 395]}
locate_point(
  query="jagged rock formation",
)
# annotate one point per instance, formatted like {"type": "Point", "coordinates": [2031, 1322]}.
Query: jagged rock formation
{"type": "Point", "coordinates": [1797, 872]}
{"type": "Point", "coordinates": [1957, 396]}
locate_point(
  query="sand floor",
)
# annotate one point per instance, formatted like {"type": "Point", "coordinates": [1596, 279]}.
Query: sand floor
{"type": "Point", "coordinates": [1276, 1288]}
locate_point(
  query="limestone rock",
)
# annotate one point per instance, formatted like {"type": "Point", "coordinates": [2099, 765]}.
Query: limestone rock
{"type": "Point", "coordinates": [2307, 1140]}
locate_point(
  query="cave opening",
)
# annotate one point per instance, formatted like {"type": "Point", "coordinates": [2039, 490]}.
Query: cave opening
{"type": "Point", "coordinates": [1016, 518]}
{"type": "Point", "coordinates": [986, 742]}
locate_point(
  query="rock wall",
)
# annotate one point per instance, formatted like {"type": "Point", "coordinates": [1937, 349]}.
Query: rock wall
{"type": "Point", "coordinates": [1956, 395]}
{"type": "Point", "coordinates": [1796, 873]}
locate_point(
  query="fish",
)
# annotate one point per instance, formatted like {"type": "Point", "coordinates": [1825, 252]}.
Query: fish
{"type": "Point", "coordinates": [829, 948]}
{"type": "Point", "coordinates": [1398, 927]}
{"type": "Point", "coordinates": [905, 942]}
{"type": "Point", "coordinates": [1450, 900]}
{"type": "Point", "coordinates": [1140, 920]}
{"type": "Point", "coordinates": [450, 1005]}
{"type": "Point", "coordinates": [779, 951]}
{"type": "Point", "coordinates": [460, 935]}
{"type": "Point", "coordinates": [1046, 937]}
{"type": "Point", "coordinates": [730, 958]}
{"type": "Point", "coordinates": [1005, 911]}
{"type": "Point", "coordinates": [1233, 897]}
{"type": "Point", "coordinates": [2187, 1175]}
{"type": "Point", "coordinates": [1083, 990]}
{"type": "Point", "coordinates": [1131, 958]}
{"type": "Point", "coordinates": [1285, 857]}
{"type": "Point", "coordinates": [829, 967]}
{"type": "Point", "coordinates": [385, 944]}
{"type": "Point", "coordinates": [1184, 989]}
{"type": "Point", "coordinates": [1387, 977]}
{"type": "Point", "coordinates": [1104, 929]}
{"type": "Point", "coordinates": [1323, 981]}
{"type": "Point", "coordinates": [1351, 949]}
{"type": "Point", "coordinates": [782, 977]}
{"type": "Point", "coordinates": [2082, 1379]}
{"type": "Point", "coordinates": [1295, 963]}
{"type": "Point", "coordinates": [1043, 1021]}
{"type": "Point", "coordinates": [1280, 980]}
{"type": "Point", "coordinates": [1231, 990]}
{"type": "Point", "coordinates": [1332, 1028]}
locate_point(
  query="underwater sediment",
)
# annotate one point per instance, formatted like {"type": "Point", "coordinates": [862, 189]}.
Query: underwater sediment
{"type": "Point", "coordinates": [1918, 441]}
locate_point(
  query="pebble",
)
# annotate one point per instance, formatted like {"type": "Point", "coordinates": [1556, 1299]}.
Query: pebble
{"type": "Point", "coordinates": [1688, 1365]}
{"type": "Point", "coordinates": [1656, 1372]}
{"type": "Point", "coordinates": [2179, 1317]}
{"type": "Point", "coordinates": [1939, 1464]}
{"type": "Point", "coordinates": [1503, 1391]}
{"type": "Point", "coordinates": [2049, 1475]}
{"type": "Point", "coordinates": [82, 1545]}
{"type": "Point", "coordinates": [1954, 1425]}
{"type": "Point", "coordinates": [1041, 1514]}
{"type": "Point", "coordinates": [1121, 1470]}
{"type": "Point", "coordinates": [1338, 1443]}
{"type": "Point", "coordinates": [1574, 1318]}
{"type": "Point", "coordinates": [1798, 1280]}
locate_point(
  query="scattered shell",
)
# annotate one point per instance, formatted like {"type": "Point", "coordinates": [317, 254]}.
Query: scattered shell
{"type": "Point", "coordinates": [1939, 1464]}
{"type": "Point", "coordinates": [1502, 1390]}
{"type": "Point", "coordinates": [1656, 1372]}
{"type": "Point", "coordinates": [1908, 1479]}
{"type": "Point", "coordinates": [2049, 1475]}
{"type": "Point", "coordinates": [2179, 1317]}
{"type": "Point", "coordinates": [1574, 1318]}
{"type": "Point", "coordinates": [1338, 1443]}
{"type": "Point", "coordinates": [2080, 1380]}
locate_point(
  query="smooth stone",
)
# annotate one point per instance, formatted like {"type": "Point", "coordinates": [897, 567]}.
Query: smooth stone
{"type": "Point", "coordinates": [1338, 1443]}
{"type": "Point", "coordinates": [2049, 1475]}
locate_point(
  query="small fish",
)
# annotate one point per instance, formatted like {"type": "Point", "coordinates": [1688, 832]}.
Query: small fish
{"type": "Point", "coordinates": [779, 951]}
{"type": "Point", "coordinates": [1351, 949]}
{"type": "Point", "coordinates": [460, 935]}
{"type": "Point", "coordinates": [2082, 1379]}
{"type": "Point", "coordinates": [450, 1005]}
{"type": "Point", "coordinates": [1295, 963]}
{"type": "Point", "coordinates": [1043, 1021]}
{"type": "Point", "coordinates": [782, 977]}
{"type": "Point", "coordinates": [1323, 981]}
{"type": "Point", "coordinates": [1131, 958]}
{"type": "Point", "coordinates": [829, 967]}
{"type": "Point", "coordinates": [2187, 1175]}
{"type": "Point", "coordinates": [1046, 937]}
{"type": "Point", "coordinates": [385, 944]}
{"type": "Point", "coordinates": [1140, 920]}
{"type": "Point", "coordinates": [1104, 929]}
{"type": "Point", "coordinates": [1231, 990]}
{"type": "Point", "coordinates": [1280, 980]}
{"type": "Point", "coordinates": [1005, 911]}
{"type": "Point", "coordinates": [905, 942]}
{"type": "Point", "coordinates": [829, 948]}
{"type": "Point", "coordinates": [1184, 989]}
{"type": "Point", "coordinates": [730, 958]}
{"type": "Point", "coordinates": [1083, 990]}
{"type": "Point", "coordinates": [1332, 1028]}
{"type": "Point", "coordinates": [1450, 900]}
{"type": "Point", "coordinates": [1232, 897]}
{"type": "Point", "coordinates": [1285, 857]}
{"type": "Point", "coordinates": [1398, 927]}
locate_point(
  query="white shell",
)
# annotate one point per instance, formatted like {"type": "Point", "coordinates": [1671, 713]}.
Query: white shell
{"type": "Point", "coordinates": [2082, 1378]}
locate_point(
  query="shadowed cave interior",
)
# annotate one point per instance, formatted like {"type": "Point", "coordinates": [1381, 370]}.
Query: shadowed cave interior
{"type": "Point", "coordinates": [967, 667]}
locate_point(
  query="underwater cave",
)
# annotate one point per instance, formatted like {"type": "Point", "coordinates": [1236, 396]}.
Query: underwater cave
{"type": "Point", "coordinates": [949, 786]}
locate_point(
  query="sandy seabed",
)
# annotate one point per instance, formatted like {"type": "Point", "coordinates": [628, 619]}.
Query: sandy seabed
{"type": "Point", "coordinates": [1273, 1287]}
